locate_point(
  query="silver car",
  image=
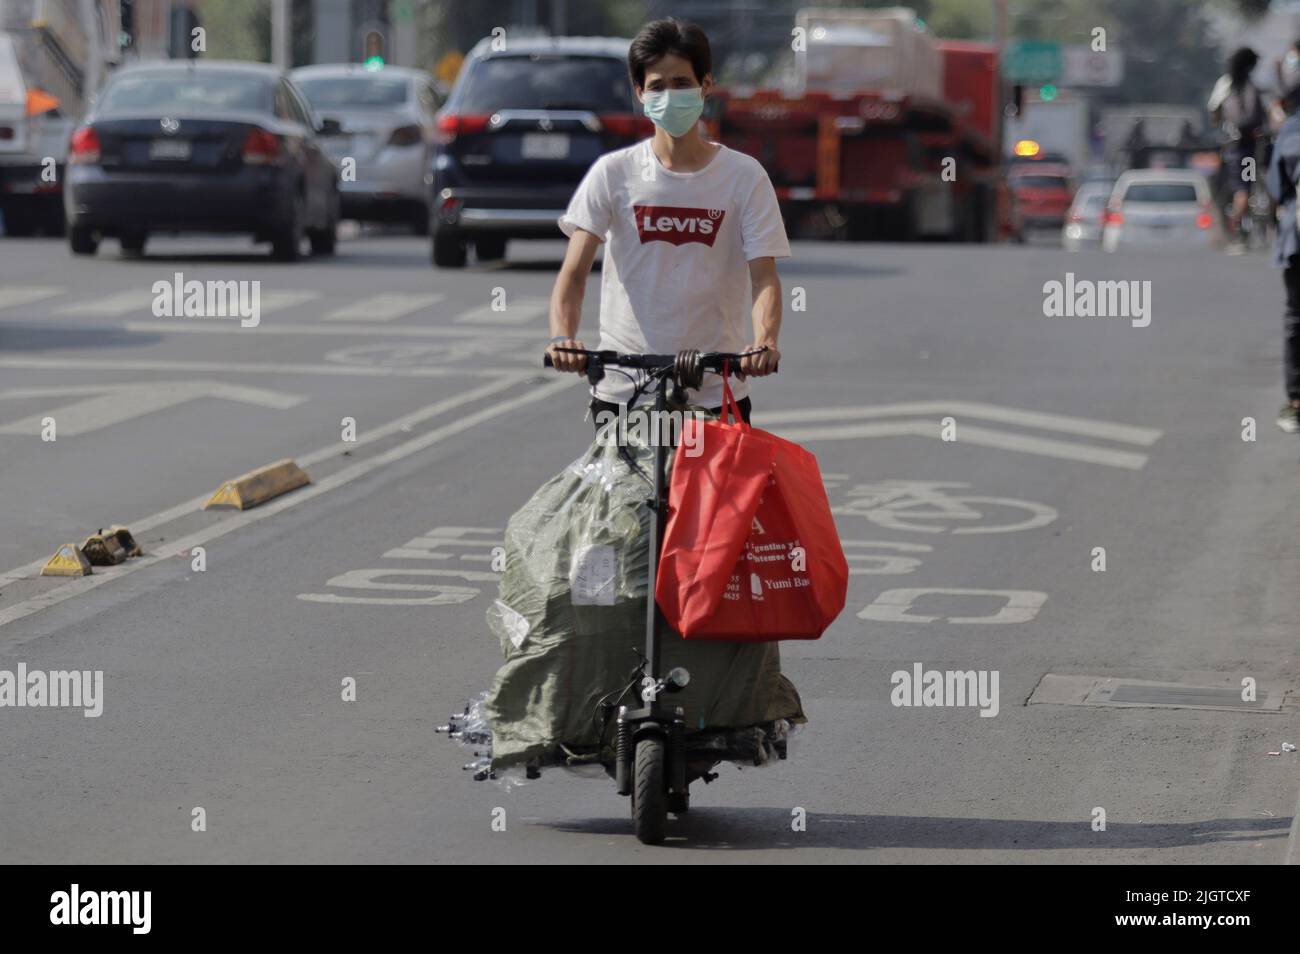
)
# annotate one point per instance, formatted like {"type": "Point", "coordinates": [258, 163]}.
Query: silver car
{"type": "Point", "coordinates": [387, 128]}
{"type": "Point", "coordinates": [1083, 221]}
{"type": "Point", "coordinates": [1160, 208]}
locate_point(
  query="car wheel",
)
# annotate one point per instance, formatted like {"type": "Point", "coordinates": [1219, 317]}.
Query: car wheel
{"type": "Point", "coordinates": [286, 241]}
{"type": "Point", "coordinates": [490, 248]}
{"type": "Point", "coordinates": [82, 240]}
{"type": "Point", "coordinates": [324, 241]}
{"type": "Point", "coordinates": [448, 251]}
{"type": "Point", "coordinates": [133, 243]}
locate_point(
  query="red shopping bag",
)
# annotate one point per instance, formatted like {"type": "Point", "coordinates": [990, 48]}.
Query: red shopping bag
{"type": "Point", "coordinates": [750, 552]}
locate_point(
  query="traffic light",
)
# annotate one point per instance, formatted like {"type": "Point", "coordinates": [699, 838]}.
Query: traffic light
{"type": "Point", "coordinates": [373, 50]}
{"type": "Point", "coordinates": [126, 24]}
{"type": "Point", "coordinates": [1047, 92]}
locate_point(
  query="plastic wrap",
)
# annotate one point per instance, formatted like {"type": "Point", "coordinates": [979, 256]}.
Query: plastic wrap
{"type": "Point", "coordinates": [570, 620]}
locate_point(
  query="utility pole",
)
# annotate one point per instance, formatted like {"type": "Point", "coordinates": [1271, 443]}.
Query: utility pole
{"type": "Point", "coordinates": [281, 54]}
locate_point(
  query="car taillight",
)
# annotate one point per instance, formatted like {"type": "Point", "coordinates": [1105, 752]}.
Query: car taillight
{"type": "Point", "coordinates": [1204, 220]}
{"type": "Point", "coordinates": [406, 136]}
{"type": "Point", "coordinates": [1113, 217]}
{"type": "Point", "coordinates": [627, 124]}
{"type": "Point", "coordinates": [83, 148]}
{"type": "Point", "coordinates": [456, 124]}
{"type": "Point", "coordinates": [260, 148]}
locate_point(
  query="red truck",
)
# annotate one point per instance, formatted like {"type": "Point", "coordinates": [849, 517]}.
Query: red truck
{"type": "Point", "coordinates": [900, 142]}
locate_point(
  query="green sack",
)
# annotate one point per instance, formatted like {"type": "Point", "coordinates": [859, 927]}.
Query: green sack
{"type": "Point", "coordinates": [571, 612]}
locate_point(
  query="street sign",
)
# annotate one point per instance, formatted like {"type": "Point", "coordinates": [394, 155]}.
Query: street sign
{"type": "Point", "coordinates": [1032, 61]}
{"type": "Point", "coordinates": [1082, 66]}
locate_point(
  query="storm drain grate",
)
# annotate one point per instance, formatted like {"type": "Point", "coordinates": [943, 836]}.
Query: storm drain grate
{"type": "Point", "coordinates": [1060, 690]}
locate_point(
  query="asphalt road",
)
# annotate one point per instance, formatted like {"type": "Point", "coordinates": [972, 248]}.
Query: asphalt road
{"type": "Point", "coordinates": [222, 688]}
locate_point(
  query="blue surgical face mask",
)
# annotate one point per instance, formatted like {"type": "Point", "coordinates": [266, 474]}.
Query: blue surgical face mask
{"type": "Point", "coordinates": [675, 111]}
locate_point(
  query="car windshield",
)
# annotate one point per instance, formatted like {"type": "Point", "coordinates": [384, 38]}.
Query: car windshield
{"type": "Point", "coordinates": [177, 91]}
{"type": "Point", "coordinates": [1092, 202]}
{"type": "Point", "coordinates": [1039, 182]}
{"type": "Point", "coordinates": [344, 92]}
{"type": "Point", "coordinates": [596, 83]}
{"type": "Point", "coordinates": [1161, 192]}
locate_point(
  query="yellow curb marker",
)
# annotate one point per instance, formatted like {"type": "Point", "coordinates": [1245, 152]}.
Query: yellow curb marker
{"type": "Point", "coordinates": [68, 561]}
{"type": "Point", "coordinates": [258, 486]}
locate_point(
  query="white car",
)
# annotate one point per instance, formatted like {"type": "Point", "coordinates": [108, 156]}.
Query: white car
{"type": "Point", "coordinates": [1161, 208]}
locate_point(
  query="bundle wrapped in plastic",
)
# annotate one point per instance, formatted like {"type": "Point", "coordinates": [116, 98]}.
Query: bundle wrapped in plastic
{"type": "Point", "coordinates": [571, 611]}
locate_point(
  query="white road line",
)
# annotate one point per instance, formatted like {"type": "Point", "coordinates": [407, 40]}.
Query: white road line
{"type": "Point", "coordinates": [236, 367]}
{"type": "Point", "coordinates": [278, 300]}
{"type": "Point", "coordinates": [518, 311]}
{"type": "Point", "coordinates": [1082, 426]}
{"type": "Point", "coordinates": [190, 326]}
{"type": "Point", "coordinates": [133, 400]}
{"type": "Point", "coordinates": [366, 436]}
{"type": "Point", "coordinates": [17, 295]}
{"type": "Point", "coordinates": [969, 434]}
{"type": "Point", "coordinates": [134, 299]}
{"type": "Point", "coordinates": [383, 307]}
{"type": "Point", "coordinates": [242, 519]}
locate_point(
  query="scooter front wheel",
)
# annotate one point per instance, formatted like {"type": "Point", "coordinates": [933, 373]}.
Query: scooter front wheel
{"type": "Point", "coordinates": [649, 791]}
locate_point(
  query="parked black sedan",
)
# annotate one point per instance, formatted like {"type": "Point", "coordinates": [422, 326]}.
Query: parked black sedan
{"type": "Point", "coordinates": [201, 146]}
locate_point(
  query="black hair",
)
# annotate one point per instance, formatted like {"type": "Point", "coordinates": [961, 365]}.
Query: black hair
{"type": "Point", "coordinates": [1241, 64]}
{"type": "Point", "coordinates": [659, 38]}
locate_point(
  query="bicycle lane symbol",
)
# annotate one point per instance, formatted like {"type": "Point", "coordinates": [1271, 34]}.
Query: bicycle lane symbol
{"type": "Point", "coordinates": [916, 506]}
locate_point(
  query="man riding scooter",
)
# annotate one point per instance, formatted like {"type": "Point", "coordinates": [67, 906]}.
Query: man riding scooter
{"type": "Point", "coordinates": [691, 227]}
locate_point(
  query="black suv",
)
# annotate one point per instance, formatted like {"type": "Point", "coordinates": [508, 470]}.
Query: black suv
{"type": "Point", "coordinates": [520, 129]}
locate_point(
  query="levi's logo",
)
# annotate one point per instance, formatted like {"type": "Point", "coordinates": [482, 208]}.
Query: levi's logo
{"type": "Point", "coordinates": [676, 225]}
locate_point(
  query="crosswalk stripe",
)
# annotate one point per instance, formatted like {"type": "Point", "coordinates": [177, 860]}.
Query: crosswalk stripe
{"type": "Point", "coordinates": [517, 312]}
{"type": "Point", "coordinates": [282, 299]}
{"type": "Point", "coordinates": [383, 307]}
{"type": "Point", "coordinates": [17, 295]}
{"type": "Point", "coordinates": [134, 299]}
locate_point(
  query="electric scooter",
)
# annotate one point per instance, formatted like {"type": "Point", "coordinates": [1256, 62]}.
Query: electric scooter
{"type": "Point", "coordinates": [655, 759]}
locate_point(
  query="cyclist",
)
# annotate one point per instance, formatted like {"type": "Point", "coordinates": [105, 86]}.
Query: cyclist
{"type": "Point", "coordinates": [1283, 171]}
{"type": "Point", "coordinates": [1237, 106]}
{"type": "Point", "coordinates": [690, 226]}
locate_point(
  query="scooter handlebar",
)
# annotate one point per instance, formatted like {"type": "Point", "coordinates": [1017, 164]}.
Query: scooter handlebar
{"type": "Point", "coordinates": [644, 361]}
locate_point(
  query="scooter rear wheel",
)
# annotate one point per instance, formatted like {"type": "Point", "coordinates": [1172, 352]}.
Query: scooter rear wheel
{"type": "Point", "coordinates": [649, 791]}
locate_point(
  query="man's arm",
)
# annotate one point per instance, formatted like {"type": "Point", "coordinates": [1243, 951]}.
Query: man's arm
{"type": "Point", "coordinates": [767, 316]}
{"type": "Point", "coordinates": [566, 299]}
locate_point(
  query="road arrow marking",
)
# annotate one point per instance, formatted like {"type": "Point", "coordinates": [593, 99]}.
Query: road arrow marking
{"type": "Point", "coordinates": [819, 428]}
{"type": "Point", "coordinates": [114, 403]}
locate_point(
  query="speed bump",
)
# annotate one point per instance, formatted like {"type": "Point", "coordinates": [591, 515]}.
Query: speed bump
{"type": "Point", "coordinates": [258, 486]}
{"type": "Point", "coordinates": [67, 561]}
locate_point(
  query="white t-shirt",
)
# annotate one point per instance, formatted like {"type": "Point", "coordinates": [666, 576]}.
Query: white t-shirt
{"type": "Point", "coordinates": [676, 272]}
